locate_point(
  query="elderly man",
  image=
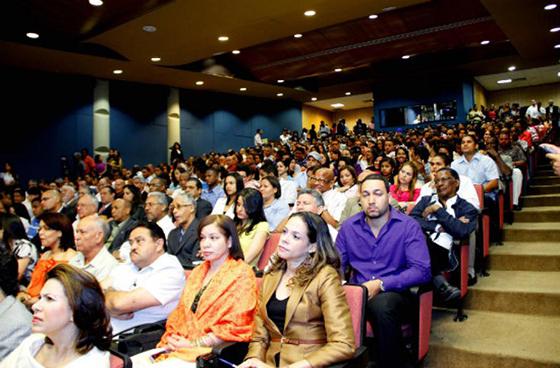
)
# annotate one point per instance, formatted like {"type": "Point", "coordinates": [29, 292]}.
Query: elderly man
{"type": "Point", "coordinates": [87, 206]}
{"type": "Point", "coordinates": [194, 188]}
{"type": "Point", "coordinates": [69, 201]}
{"type": "Point", "coordinates": [311, 200]}
{"type": "Point", "coordinates": [156, 209]}
{"type": "Point", "coordinates": [386, 252]}
{"type": "Point", "coordinates": [119, 184]}
{"type": "Point", "coordinates": [183, 241]}
{"type": "Point", "coordinates": [445, 217]}
{"type": "Point", "coordinates": [90, 242]}
{"type": "Point", "coordinates": [120, 226]}
{"type": "Point", "coordinates": [146, 289]}
{"type": "Point", "coordinates": [323, 181]}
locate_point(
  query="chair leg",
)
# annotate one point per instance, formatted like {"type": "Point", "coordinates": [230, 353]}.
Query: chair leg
{"type": "Point", "coordinates": [460, 316]}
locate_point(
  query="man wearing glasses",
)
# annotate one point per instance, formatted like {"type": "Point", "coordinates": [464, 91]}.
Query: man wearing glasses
{"type": "Point", "coordinates": [183, 240]}
{"type": "Point", "coordinates": [148, 288]}
{"type": "Point", "coordinates": [323, 181]}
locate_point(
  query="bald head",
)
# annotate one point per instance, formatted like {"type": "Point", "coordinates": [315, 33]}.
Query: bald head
{"type": "Point", "coordinates": [324, 180]}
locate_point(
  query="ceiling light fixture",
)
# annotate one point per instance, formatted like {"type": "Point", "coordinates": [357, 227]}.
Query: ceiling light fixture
{"type": "Point", "coordinates": [389, 8]}
{"type": "Point", "coordinates": [558, 74]}
{"type": "Point", "coordinates": [557, 46]}
{"type": "Point", "coordinates": [555, 29]}
{"type": "Point", "coordinates": [373, 16]}
{"type": "Point", "coordinates": [243, 89]}
{"type": "Point", "coordinates": [117, 71]}
{"type": "Point", "coordinates": [313, 98]}
{"type": "Point", "coordinates": [223, 38]}
{"type": "Point", "coordinates": [348, 93]}
{"type": "Point", "coordinates": [338, 70]}
{"type": "Point", "coordinates": [310, 13]}
{"type": "Point", "coordinates": [504, 81]}
{"type": "Point", "coordinates": [485, 42]}
{"type": "Point", "coordinates": [155, 59]}
{"type": "Point", "coordinates": [32, 35]}
{"type": "Point", "coordinates": [337, 105]}
{"type": "Point", "coordinates": [96, 2]}
{"type": "Point", "coordinates": [550, 7]}
{"type": "Point", "coordinates": [280, 81]}
{"type": "Point", "coordinates": [512, 68]}
{"type": "Point", "coordinates": [298, 35]}
{"type": "Point", "coordinates": [405, 57]}
{"type": "Point", "coordinates": [280, 94]}
{"type": "Point", "coordinates": [149, 29]}
{"type": "Point", "coordinates": [199, 83]}
{"type": "Point", "coordinates": [236, 52]}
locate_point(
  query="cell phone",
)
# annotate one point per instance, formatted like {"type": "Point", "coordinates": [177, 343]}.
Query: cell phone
{"type": "Point", "coordinates": [549, 148]}
{"type": "Point", "coordinates": [153, 357]}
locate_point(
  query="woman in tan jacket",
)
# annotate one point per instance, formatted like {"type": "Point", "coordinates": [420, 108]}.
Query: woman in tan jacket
{"type": "Point", "coordinates": [303, 319]}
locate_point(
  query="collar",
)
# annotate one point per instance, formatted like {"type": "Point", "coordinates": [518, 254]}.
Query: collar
{"type": "Point", "coordinates": [451, 202]}
{"type": "Point", "coordinates": [394, 215]}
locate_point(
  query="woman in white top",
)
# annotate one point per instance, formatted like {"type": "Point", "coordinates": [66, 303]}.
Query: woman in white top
{"type": "Point", "coordinates": [226, 205]}
{"type": "Point", "coordinates": [70, 324]}
{"type": "Point", "coordinates": [14, 235]}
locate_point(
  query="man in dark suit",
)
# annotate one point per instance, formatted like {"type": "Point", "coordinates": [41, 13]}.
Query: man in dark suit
{"type": "Point", "coordinates": [107, 194]}
{"type": "Point", "coordinates": [182, 242]}
{"type": "Point", "coordinates": [445, 217]}
{"type": "Point", "coordinates": [194, 188]}
{"type": "Point", "coordinates": [122, 223]}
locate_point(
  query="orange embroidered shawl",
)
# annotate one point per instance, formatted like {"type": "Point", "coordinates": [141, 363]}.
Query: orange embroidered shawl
{"type": "Point", "coordinates": [227, 307]}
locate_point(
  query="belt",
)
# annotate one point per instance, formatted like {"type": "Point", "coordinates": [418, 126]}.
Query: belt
{"type": "Point", "coordinates": [287, 340]}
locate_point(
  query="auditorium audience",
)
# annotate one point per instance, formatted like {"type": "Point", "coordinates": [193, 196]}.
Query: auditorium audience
{"type": "Point", "coordinates": [194, 188]}
{"type": "Point", "coordinates": [156, 210]}
{"type": "Point", "coordinates": [405, 190]}
{"type": "Point", "coordinates": [303, 319]}
{"type": "Point", "coordinates": [275, 209]}
{"type": "Point", "coordinates": [70, 324]}
{"type": "Point", "coordinates": [233, 184]}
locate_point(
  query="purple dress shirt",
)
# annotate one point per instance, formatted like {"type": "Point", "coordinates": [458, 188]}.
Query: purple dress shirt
{"type": "Point", "coordinates": [398, 256]}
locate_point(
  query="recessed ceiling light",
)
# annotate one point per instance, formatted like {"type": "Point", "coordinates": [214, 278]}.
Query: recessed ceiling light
{"type": "Point", "coordinates": [558, 74]}
{"type": "Point", "coordinates": [373, 16]}
{"type": "Point", "coordinates": [504, 81]}
{"type": "Point", "coordinates": [298, 35]}
{"type": "Point", "coordinates": [32, 35]}
{"type": "Point", "coordinates": [389, 8]}
{"type": "Point", "coordinates": [512, 68]}
{"type": "Point", "coordinates": [348, 93]}
{"type": "Point", "coordinates": [485, 42]}
{"type": "Point", "coordinates": [242, 89]}
{"type": "Point", "coordinates": [280, 80]}
{"type": "Point", "coordinates": [117, 71]}
{"type": "Point", "coordinates": [223, 38]}
{"type": "Point", "coordinates": [280, 94]}
{"type": "Point", "coordinates": [236, 52]}
{"type": "Point", "coordinates": [555, 29]}
{"type": "Point", "coordinates": [96, 2]}
{"type": "Point", "coordinates": [557, 46]}
{"type": "Point", "coordinates": [199, 83]}
{"type": "Point", "coordinates": [313, 98]}
{"type": "Point", "coordinates": [155, 59]}
{"type": "Point", "coordinates": [338, 70]}
{"type": "Point", "coordinates": [550, 7]}
{"type": "Point", "coordinates": [310, 13]}
{"type": "Point", "coordinates": [337, 105]}
{"type": "Point", "coordinates": [149, 29]}
{"type": "Point", "coordinates": [405, 57]}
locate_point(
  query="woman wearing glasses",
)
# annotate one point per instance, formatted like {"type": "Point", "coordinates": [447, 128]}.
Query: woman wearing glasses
{"type": "Point", "coordinates": [219, 302]}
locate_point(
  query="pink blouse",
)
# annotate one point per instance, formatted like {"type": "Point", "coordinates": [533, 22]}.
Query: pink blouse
{"type": "Point", "coordinates": [403, 196]}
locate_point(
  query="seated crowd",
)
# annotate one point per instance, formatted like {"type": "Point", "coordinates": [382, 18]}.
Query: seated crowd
{"type": "Point", "coordinates": [101, 254]}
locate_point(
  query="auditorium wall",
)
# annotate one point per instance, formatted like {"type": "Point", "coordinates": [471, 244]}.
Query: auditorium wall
{"type": "Point", "coordinates": [523, 96]}
{"type": "Point", "coordinates": [313, 115]}
{"type": "Point", "coordinates": [51, 116]}
{"type": "Point", "coordinates": [351, 116]}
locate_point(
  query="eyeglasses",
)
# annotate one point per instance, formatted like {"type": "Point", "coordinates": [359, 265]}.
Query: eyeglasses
{"type": "Point", "coordinates": [321, 180]}
{"type": "Point", "coordinates": [179, 206]}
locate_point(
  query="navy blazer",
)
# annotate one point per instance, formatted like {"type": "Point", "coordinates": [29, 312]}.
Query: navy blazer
{"type": "Point", "coordinates": [457, 229]}
{"type": "Point", "coordinates": [203, 208]}
{"type": "Point", "coordinates": [184, 249]}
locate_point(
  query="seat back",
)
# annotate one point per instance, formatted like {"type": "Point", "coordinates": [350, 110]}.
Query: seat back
{"type": "Point", "coordinates": [118, 360]}
{"type": "Point", "coordinates": [480, 192]}
{"type": "Point", "coordinates": [269, 248]}
{"type": "Point", "coordinates": [356, 295]}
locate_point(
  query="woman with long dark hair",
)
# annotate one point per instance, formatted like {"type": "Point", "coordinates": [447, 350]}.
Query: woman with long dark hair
{"type": "Point", "coordinates": [251, 224]}
{"type": "Point", "coordinates": [233, 184]}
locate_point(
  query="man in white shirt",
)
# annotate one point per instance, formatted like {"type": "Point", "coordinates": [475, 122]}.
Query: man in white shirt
{"type": "Point", "coordinates": [323, 181]}
{"type": "Point", "coordinates": [148, 288]}
{"type": "Point", "coordinates": [87, 206]}
{"type": "Point", "coordinates": [90, 242]}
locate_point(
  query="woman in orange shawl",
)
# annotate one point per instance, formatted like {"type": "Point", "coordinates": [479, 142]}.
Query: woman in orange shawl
{"type": "Point", "coordinates": [219, 302]}
{"type": "Point", "coordinates": [57, 235]}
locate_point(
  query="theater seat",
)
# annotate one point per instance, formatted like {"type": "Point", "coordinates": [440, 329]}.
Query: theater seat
{"type": "Point", "coordinates": [269, 249]}
{"type": "Point", "coordinates": [483, 231]}
{"type": "Point", "coordinates": [419, 329]}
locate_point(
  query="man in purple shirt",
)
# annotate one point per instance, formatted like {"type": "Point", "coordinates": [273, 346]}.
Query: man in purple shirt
{"type": "Point", "coordinates": [386, 252]}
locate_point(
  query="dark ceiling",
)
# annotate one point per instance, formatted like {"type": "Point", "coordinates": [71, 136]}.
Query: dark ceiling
{"type": "Point", "coordinates": [440, 36]}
